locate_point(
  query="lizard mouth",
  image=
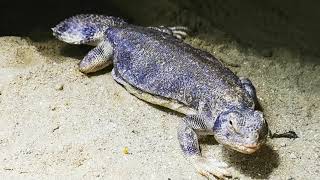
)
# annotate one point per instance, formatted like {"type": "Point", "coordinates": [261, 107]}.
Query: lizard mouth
{"type": "Point", "coordinates": [245, 149]}
{"type": "Point", "coordinates": [248, 149]}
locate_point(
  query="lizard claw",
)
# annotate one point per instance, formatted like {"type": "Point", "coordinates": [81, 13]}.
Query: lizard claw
{"type": "Point", "coordinates": [211, 168]}
{"type": "Point", "coordinates": [180, 32]}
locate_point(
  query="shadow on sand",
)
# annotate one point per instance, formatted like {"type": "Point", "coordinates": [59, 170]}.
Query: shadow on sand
{"type": "Point", "coordinates": [258, 165]}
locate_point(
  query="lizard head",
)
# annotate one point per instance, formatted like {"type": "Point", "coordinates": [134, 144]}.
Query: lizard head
{"type": "Point", "coordinates": [243, 130]}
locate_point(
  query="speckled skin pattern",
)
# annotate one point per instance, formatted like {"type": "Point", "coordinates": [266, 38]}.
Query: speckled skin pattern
{"type": "Point", "coordinates": [157, 63]}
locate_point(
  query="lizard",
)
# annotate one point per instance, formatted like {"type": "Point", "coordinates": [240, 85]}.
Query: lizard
{"type": "Point", "coordinates": [156, 66]}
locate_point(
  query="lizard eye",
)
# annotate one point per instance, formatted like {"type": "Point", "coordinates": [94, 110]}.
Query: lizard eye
{"type": "Point", "coordinates": [233, 126]}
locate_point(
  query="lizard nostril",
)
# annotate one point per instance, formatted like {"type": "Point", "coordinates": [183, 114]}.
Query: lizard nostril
{"type": "Point", "coordinates": [252, 138]}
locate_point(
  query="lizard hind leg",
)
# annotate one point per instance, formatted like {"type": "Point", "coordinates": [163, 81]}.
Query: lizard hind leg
{"type": "Point", "coordinates": [97, 59]}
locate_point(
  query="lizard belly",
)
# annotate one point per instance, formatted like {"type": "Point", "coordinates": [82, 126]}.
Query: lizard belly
{"type": "Point", "coordinates": [154, 99]}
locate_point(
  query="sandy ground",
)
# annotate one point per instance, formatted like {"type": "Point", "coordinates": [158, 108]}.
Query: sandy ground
{"type": "Point", "coordinates": [58, 123]}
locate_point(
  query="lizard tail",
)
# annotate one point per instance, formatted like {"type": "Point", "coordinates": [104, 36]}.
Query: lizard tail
{"type": "Point", "coordinates": [85, 28]}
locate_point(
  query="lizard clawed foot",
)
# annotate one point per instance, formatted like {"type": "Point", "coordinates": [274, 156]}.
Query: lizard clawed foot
{"type": "Point", "coordinates": [179, 32]}
{"type": "Point", "coordinates": [211, 168]}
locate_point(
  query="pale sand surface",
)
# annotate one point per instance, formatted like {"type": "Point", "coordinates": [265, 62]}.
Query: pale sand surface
{"type": "Point", "coordinates": [56, 122]}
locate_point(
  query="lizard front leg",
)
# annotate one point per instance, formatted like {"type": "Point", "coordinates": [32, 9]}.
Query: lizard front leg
{"type": "Point", "coordinates": [179, 32]}
{"type": "Point", "coordinates": [188, 140]}
{"type": "Point", "coordinates": [248, 86]}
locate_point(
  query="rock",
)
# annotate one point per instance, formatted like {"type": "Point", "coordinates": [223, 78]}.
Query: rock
{"type": "Point", "coordinates": [292, 156]}
{"type": "Point", "coordinates": [59, 87]}
{"type": "Point", "coordinates": [53, 108]}
{"type": "Point", "coordinates": [283, 144]}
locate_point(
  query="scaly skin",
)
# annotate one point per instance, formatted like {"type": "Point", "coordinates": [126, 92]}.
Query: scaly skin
{"type": "Point", "coordinates": [153, 64]}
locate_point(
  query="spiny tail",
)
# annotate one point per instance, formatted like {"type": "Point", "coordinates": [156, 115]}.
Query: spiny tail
{"type": "Point", "coordinates": [85, 28]}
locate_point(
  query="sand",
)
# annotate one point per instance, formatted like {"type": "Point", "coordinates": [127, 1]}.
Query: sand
{"type": "Point", "coordinates": [56, 122]}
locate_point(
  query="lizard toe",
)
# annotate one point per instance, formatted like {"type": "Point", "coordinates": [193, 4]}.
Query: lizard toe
{"type": "Point", "coordinates": [209, 167]}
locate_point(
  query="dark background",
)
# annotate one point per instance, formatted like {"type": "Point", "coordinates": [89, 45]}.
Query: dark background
{"type": "Point", "coordinates": [287, 23]}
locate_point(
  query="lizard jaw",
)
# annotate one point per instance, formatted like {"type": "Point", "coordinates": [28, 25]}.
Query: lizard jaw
{"type": "Point", "coordinates": [247, 149]}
